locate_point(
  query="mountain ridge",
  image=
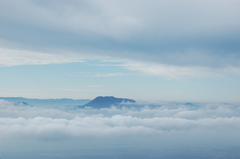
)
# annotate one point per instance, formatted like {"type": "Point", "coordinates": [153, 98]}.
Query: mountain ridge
{"type": "Point", "coordinates": [107, 101]}
{"type": "Point", "coordinates": [47, 102]}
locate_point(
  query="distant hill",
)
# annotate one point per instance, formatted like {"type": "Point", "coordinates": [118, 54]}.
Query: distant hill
{"type": "Point", "coordinates": [47, 102]}
{"type": "Point", "coordinates": [107, 101]}
{"type": "Point", "coordinates": [21, 104]}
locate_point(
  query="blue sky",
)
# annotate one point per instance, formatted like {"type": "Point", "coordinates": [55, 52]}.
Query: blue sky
{"type": "Point", "coordinates": [149, 50]}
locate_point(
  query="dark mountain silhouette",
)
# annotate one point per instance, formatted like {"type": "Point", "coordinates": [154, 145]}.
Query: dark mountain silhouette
{"type": "Point", "coordinates": [107, 101]}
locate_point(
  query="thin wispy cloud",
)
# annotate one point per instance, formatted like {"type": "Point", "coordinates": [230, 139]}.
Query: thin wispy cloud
{"type": "Point", "coordinates": [173, 72]}
{"type": "Point", "coordinates": [16, 57]}
{"type": "Point", "coordinates": [107, 75]}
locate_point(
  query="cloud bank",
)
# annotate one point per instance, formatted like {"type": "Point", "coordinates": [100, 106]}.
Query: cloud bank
{"type": "Point", "coordinates": [177, 118]}
{"type": "Point", "coordinates": [173, 126]}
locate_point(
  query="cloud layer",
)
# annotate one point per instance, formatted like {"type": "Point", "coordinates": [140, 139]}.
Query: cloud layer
{"type": "Point", "coordinates": [166, 126]}
{"type": "Point", "coordinates": [172, 117]}
{"type": "Point", "coordinates": [186, 34]}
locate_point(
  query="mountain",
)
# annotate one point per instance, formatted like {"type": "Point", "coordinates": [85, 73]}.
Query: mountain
{"type": "Point", "coordinates": [107, 101]}
{"type": "Point", "coordinates": [46, 102]}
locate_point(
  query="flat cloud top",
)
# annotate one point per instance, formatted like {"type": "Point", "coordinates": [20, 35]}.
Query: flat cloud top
{"type": "Point", "coordinates": [21, 119]}
{"type": "Point", "coordinates": [170, 127]}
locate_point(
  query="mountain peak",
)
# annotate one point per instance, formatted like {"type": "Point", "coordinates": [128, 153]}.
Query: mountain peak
{"type": "Point", "coordinates": [107, 101]}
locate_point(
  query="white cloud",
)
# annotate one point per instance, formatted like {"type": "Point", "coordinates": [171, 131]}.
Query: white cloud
{"type": "Point", "coordinates": [144, 31]}
{"type": "Point", "coordinates": [178, 117]}
{"type": "Point", "coordinates": [115, 125]}
{"type": "Point", "coordinates": [173, 71]}
{"type": "Point", "coordinates": [75, 16]}
{"type": "Point", "coordinates": [170, 126]}
{"type": "Point", "coordinates": [16, 57]}
{"type": "Point", "coordinates": [107, 75]}
{"type": "Point", "coordinates": [122, 19]}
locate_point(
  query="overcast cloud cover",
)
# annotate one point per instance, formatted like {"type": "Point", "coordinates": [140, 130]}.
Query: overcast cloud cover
{"type": "Point", "coordinates": [167, 129]}
{"type": "Point", "coordinates": [180, 33]}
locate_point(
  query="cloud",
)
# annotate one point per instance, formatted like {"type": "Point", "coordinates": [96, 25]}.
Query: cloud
{"type": "Point", "coordinates": [92, 74]}
{"type": "Point", "coordinates": [107, 75]}
{"type": "Point", "coordinates": [17, 57]}
{"type": "Point", "coordinates": [108, 17]}
{"type": "Point", "coordinates": [187, 34]}
{"type": "Point", "coordinates": [8, 109]}
{"type": "Point", "coordinates": [172, 72]}
{"type": "Point", "coordinates": [168, 126]}
{"type": "Point", "coordinates": [74, 16]}
{"type": "Point", "coordinates": [117, 125]}
{"type": "Point", "coordinates": [160, 119]}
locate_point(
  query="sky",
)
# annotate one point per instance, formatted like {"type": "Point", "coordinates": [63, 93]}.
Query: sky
{"type": "Point", "coordinates": [145, 50]}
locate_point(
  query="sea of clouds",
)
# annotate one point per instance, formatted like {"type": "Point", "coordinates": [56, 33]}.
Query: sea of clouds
{"type": "Point", "coordinates": [165, 129]}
